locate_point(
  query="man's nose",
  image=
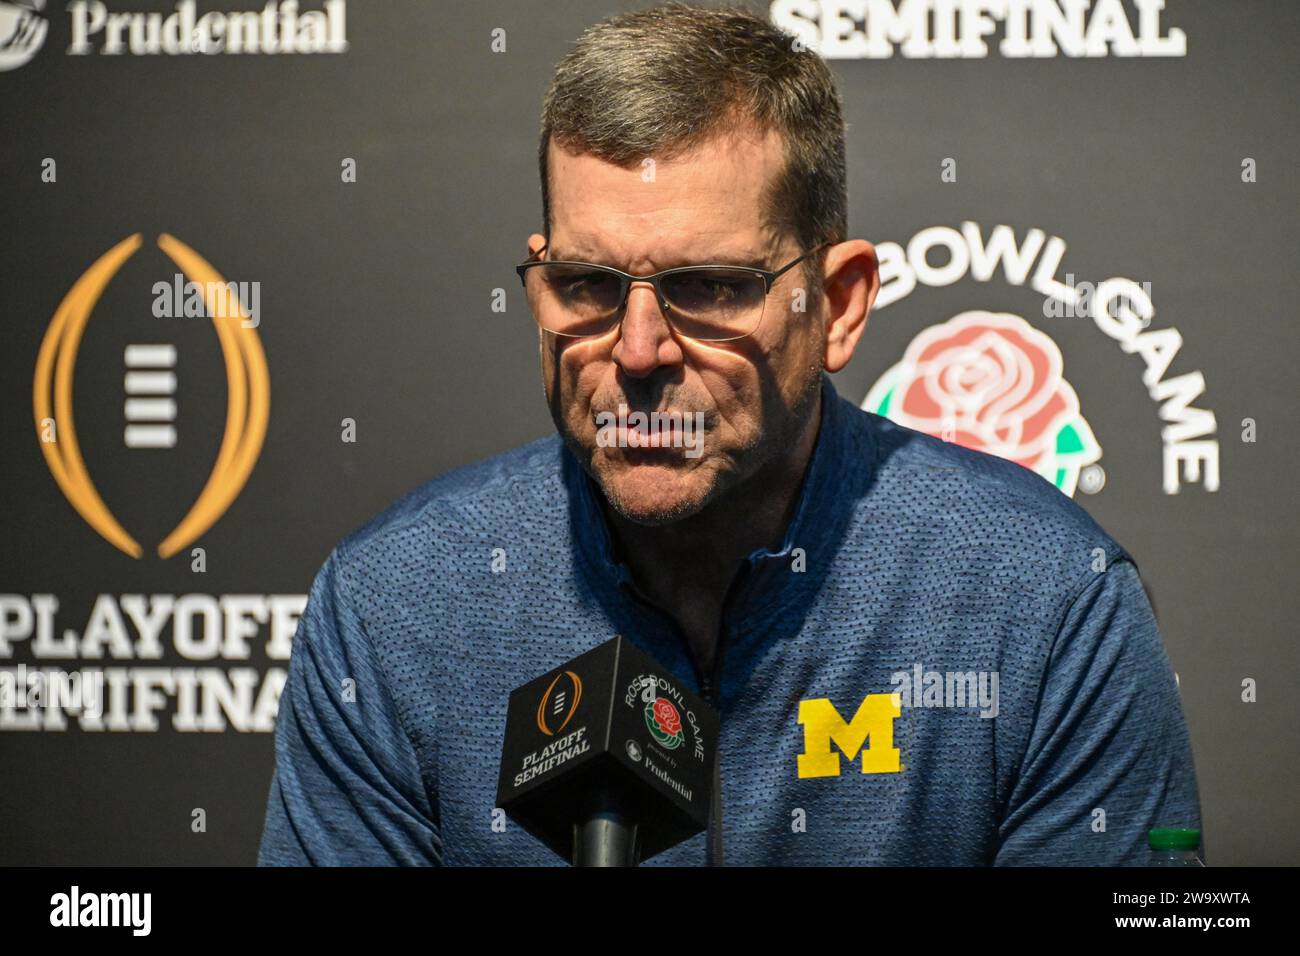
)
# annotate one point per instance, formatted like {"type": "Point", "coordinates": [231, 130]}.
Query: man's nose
{"type": "Point", "coordinates": [645, 340]}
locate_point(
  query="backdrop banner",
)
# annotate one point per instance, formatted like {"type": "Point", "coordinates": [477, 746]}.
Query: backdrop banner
{"type": "Point", "coordinates": [258, 283]}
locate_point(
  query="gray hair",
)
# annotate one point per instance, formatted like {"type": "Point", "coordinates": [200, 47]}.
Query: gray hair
{"type": "Point", "coordinates": [659, 82]}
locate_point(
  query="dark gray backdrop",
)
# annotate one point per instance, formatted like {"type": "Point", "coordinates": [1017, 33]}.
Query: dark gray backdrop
{"type": "Point", "coordinates": [376, 301]}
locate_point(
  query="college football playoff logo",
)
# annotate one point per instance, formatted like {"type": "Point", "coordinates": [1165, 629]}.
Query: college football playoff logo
{"type": "Point", "coordinates": [247, 407]}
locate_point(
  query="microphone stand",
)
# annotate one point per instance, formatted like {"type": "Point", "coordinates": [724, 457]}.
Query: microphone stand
{"type": "Point", "coordinates": [605, 837]}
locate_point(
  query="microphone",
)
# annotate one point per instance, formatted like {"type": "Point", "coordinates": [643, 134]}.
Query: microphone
{"type": "Point", "coordinates": [608, 759]}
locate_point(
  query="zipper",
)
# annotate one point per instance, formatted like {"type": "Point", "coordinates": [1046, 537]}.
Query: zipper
{"type": "Point", "coordinates": [711, 691]}
{"type": "Point", "coordinates": [710, 688]}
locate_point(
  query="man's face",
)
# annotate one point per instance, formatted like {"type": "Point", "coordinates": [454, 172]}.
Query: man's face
{"type": "Point", "coordinates": [753, 395]}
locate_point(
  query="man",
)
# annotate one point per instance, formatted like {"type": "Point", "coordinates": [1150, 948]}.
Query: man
{"type": "Point", "coordinates": [799, 561]}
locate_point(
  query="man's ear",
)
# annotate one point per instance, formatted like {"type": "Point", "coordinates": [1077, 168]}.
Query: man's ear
{"type": "Point", "coordinates": [852, 281]}
{"type": "Point", "coordinates": [535, 243]}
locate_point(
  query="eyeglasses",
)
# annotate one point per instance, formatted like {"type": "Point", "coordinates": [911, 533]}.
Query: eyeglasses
{"type": "Point", "coordinates": [709, 303]}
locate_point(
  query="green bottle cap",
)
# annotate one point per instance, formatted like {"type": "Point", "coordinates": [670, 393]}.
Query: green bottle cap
{"type": "Point", "coordinates": [1170, 839]}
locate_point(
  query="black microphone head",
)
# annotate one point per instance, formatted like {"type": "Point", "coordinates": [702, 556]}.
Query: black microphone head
{"type": "Point", "coordinates": [609, 733]}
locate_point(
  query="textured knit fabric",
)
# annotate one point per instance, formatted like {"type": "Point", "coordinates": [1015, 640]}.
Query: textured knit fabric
{"type": "Point", "coordinates": [904, 551]}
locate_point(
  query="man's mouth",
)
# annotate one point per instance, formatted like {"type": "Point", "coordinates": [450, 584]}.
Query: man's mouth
{"type": "Point", "coordinates": [628, 428]}
{"type": "Point", "coordinates": [668, 435]}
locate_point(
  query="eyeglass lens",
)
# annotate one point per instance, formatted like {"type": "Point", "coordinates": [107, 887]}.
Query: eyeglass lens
{"type": "Point", "coordinates": [712, 303]}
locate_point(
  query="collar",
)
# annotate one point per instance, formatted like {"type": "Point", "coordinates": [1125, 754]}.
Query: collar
{"type": "Point", "coordinates": [771, 582]}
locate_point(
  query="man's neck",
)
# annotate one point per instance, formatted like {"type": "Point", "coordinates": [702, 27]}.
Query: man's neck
{"type": "Point", "coordinates": [687, 567]}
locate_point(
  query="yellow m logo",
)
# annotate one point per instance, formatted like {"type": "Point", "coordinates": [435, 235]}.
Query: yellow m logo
{"type": "Point", "coordinates": [823, 725]}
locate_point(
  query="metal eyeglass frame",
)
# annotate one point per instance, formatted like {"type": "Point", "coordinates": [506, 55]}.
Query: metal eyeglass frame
{"type": "Point", "coordinates": [769, 279]}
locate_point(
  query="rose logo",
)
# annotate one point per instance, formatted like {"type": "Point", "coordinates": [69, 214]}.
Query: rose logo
{"type": "Point", "coordinates": [664, 722]}
{"type": "Point", "coordinates": [992, 382]}
{"type": "Point", "coordinates": [666, 716]}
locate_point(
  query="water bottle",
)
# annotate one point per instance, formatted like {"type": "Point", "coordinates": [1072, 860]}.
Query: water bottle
{"type": "Point", "coordinates": [1172, 847]}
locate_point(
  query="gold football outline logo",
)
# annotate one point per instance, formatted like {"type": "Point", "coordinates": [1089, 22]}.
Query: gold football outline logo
{"type": "Point", "coordinates": [573, 705]}
{"type": "Point", "coordinates": [248, 400]}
